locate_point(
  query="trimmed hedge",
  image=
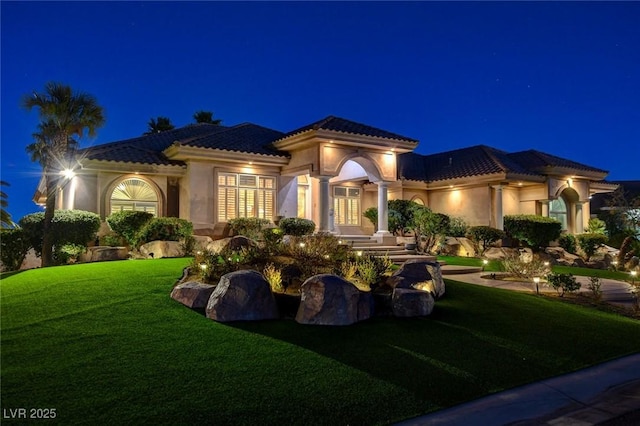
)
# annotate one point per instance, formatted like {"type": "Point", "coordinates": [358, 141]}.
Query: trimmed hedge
{"type": "Point", "coordinates": [165, 229]}
{"type": "Point", "coordinates": [568, 243]}
{"type": "Point", "coordinates": [296, 226]}
{"type": "Point", "coordinates": [128, 224]}
{"type": "Point", "coordinates": [13, 248]}
{"type": "Point", "coordinates": [536, 231]}
{"type": "Point", "coordinates": [68, 227]}
{"type": "Point", "coordinates": [250, 227]}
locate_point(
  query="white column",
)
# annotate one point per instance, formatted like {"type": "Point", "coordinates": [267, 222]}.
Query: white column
{"type": "Point", "coordinates": [324, 204]}
{"type": "Point", "coordinates": [579, 228]}
{"type": "Point", "coordinates": [499, 216]}
{"type": "Point", "coordinates": [383, 211]}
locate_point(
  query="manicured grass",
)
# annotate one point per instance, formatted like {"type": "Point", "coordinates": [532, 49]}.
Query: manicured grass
{"type": "Point", "coordinates": [493, 265]}
{"type": "Point", "coordinates": [103, 343]}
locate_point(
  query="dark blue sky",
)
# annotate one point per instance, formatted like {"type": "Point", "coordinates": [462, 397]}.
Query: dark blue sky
{"type": "Point", "coordinates": [560, 77]}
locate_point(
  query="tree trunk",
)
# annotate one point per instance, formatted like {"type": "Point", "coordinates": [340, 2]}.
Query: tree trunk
{"type": "Point", "coordinates": [47, 238]}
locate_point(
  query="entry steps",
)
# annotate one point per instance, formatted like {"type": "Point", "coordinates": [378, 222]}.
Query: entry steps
{"type": "Point", "coordinates": [398, 254]}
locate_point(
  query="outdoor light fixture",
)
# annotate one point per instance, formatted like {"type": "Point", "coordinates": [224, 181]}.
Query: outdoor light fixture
{"type": "Point", "coordinates": [301, 244]}
{"type": "Point", "coordinates": [68, 173]}
{"type": "Point", "coordinates": [633, 277]}
{"type": "Point", "coordinates": [485, 262]}
{"type": "Point", "coordinates": [203, 266]}
{"type": "Point", "coordinates": [536, 280]}
{"type": "Point", "coordinates": [359, 253]}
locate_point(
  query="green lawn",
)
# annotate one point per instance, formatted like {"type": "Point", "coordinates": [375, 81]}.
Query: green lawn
{"type": "Point", "coordinates": [103, 343]}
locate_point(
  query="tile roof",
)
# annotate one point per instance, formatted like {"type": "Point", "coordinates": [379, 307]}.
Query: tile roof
{"type": "Point", "coordinates": [246, 137]}
{"type": "Point", "coordinates": [479, 160]}
{"type": "Point", "coordinates": [473, 161]}
{"type": "Point", "coordinates": [536, 160]}
{"type": "Point", "coordinates": [342, 125]}
{"type": "Point", "coordinates": [148, 149]}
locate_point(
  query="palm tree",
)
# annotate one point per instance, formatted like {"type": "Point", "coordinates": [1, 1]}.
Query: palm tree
{"type": "Point", "coordinates": [5, 217]}
{"type": "Point", "coordinates": [161, 124]}
{"type": "Point", "coordinates": [64, 114]}
{"type": "Point", "coordinates": [206, 117]}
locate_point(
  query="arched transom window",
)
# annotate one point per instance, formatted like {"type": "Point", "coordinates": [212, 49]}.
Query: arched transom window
{"type": "Point", "coordinates": [134, 194]}
{"type": "Point", "coordinates": [558, 211]}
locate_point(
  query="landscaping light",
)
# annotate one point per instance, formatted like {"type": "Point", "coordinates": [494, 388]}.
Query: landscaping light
{"type": "Point", "coordinates": [485, 262]}
{"type": "Point", "coordinates": [198, 253]}
{"type": "Point", "coordinates": [68, 173]}
{"type": "Point", "coordinates": [326, 256]}
{"type": "Point", "coordinates": [536, 280]}
{"type": "Point", "coordinates": [546, 264]}
{"type": "Point", "coordinates": [633, 277]}
{"type": "Point", "coordinates": [203, 266]}
{"type": "Point", "coordinates": [302, 244]}
{"type": "Point", "coordinates": [359, 253]}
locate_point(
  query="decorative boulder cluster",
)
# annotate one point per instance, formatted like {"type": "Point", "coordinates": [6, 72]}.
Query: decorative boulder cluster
{"type": "Point", "coordinates": [324, 300]}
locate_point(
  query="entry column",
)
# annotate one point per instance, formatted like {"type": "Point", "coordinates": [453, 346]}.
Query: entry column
{"type": "Point", "coordinates": [499, 215]}
{"type": "Point", "coordinates": [324, 204]}
{"type": "Point", "coordinates": [383, 211]}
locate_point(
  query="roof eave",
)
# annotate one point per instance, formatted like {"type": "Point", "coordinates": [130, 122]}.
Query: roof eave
{"type": "Point", "coordinates": [186, 153]}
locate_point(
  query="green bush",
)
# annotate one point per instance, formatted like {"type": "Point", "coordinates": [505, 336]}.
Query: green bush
{"type": "Point", "coordinates": [68, 227]}
{"type": "Point", "coordinates": [589, 243]}
{"type": "Point", "coordinates": [165, 229]}
{"type": "Point", "coordinates": [296, 226]}
{"type": "Point", "coordinates": [596, 226]}
{"type": "Point", "coordinates": [563, 283]}
{"type": "Point", "coordinates": [568, 243]}
{"type": "Point", "coordinates": [250, 227]}
{"type": "Point", "coordinates": [68, 253]}
{"type": "Point", "coordinates": [401, 215]}
{"type": "Point", "coordinates": [430, 228]}
{"type": "Point", "coordinates": [372, 214]}
{"type": "Point", "coordinates": [127, 224]}
{"type": "Point", "coordinates": [272, 238]}
{"type": "Point", "coordinates": [483, 236]}
{"type": "Point", "coordinates": [13, 248]}
{"type": "Point", "coordinates": [534, 230]}
{"type": "Point", "coordinates": [458, 227]}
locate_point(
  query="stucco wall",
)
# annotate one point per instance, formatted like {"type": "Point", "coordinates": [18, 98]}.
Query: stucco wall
{"type": "Point", "coordinates": [473, 204]}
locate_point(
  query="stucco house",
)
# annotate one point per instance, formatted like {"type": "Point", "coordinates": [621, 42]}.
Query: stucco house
{"type": "Point", "coordinates": [329, 171]}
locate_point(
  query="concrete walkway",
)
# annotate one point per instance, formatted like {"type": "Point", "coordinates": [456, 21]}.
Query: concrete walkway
{"type": "Point", "coordinates": [607, 394]}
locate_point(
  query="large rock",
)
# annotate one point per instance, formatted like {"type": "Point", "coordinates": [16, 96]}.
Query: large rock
{"type": "Point", "coordinates": [193, 294]}
{"type": "Point", "coordinates": [417, 274]}
{"type": "Point", "coordinates": [411, 303]}
{"type": "Point", "coordinates": [104, 253]}
{"type": "Point", "coordinates": [331, 300]}
{"type": "Point", "coordinates": [242, 296]}
{"type": "Point", "coordinates": [159, 249]}
{"type": "Point", "coordinates": [239, 242]}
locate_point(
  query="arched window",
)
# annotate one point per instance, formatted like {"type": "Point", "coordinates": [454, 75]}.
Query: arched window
{"type": "Point", "coordinates": [418, 201]}
{"type": "Point", "coordinates": [558, 211]}
{"type": "Point", "coordinates": [134, 194]}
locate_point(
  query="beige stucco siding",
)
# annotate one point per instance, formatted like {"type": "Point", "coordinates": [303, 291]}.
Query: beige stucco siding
{"type": "Point", "coordinates": [471, 204]}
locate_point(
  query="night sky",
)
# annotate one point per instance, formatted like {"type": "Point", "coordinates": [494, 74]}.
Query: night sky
{"type": "Point", "coordinates": [559, 77]}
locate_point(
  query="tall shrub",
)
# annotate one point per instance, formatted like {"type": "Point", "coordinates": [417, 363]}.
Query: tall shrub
{"type": "Point", "coordinates": [68, 227]}
{"type": "Point", "coordinates": [127, 224]}
{"type": "Point", "coordinates": [536, 231]}
{"type": "Point", "coordinates": [568, 243]}
{"type": "Point", "coordinates": [13, 248]}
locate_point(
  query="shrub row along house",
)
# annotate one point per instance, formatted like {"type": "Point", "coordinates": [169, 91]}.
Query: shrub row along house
{"type": "Point", "coordinates": [329, 171]}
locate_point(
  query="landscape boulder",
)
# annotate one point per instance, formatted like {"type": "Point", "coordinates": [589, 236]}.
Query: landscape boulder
{"type": "Point", "coordinates": [242, 296]}
{"type": "Point", "coordinates": [331, 300]}
{"type": "Point", "coordinates": [160, 249]}
{"type": "Point", "coordinates": [104, 253]}
{"type": "Point", "coordinates": [417, 274]}
{"type": "Point", "coordinates": [193, 294]}
{"type": "Point", "coordinates": [411, 303]}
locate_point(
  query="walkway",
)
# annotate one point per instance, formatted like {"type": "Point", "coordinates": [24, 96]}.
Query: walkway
{"type": "Point", "coordinates": [607, 394]}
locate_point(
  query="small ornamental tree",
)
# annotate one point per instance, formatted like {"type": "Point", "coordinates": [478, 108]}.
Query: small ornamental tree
{"type": "Point", "coordinates": [590, 243]}
{"type": "Point", "coordinates": [536, 231]}
{"type": "Point", "coordinates": [127, 224]}
{"type": "Point", "coordinates": [430, 227]}
{"type": "Point", "coordinates": [483, 236]}
{"type": "Point", "coordinates": [250, 227]}
{"type": "Point", "coordinates": [568, 243]}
